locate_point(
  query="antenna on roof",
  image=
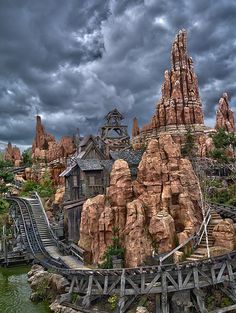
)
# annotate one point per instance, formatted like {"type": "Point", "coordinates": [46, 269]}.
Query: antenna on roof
{"type": "Point", "coordinates": [77, 139]}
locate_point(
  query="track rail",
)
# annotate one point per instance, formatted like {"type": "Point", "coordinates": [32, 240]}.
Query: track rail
{"type": "Point", "coordinates": [31, 234]}
{"type": "Point", "coordinates": [128, 283]}
{"type": "Point", "coordinates": [130, 271]}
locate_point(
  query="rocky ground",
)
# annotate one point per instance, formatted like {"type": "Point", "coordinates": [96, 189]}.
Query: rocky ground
{"type": "Point", "coordinates": [50, 286]}
{"type": "Point", "coordinates": [160, 209]}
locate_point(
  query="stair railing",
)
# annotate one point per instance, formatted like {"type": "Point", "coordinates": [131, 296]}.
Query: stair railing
{"type": "Point", "coordinates": [45, 216]}
{"type": "Point", "coordinates": [196, 239]}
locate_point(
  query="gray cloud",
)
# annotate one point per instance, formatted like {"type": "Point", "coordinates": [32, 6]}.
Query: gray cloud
{"type": "Point", "coordinates": [72, 61]}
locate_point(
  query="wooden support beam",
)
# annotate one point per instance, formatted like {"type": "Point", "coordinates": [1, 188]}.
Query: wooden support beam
{"type": "Point", "coordinates": [200, 301]}
{"type": "Point", "coordinates": [142, 281]}
{"type": "Point", "coordinates": [105, 285]}
{"type": "Point", "coordinates": [224, 310]}
{"type": "Point", "coordinates": [87, 300]}
{"type": "Point", "coordinates": [230, 271]}
{"type": "Point", "coordinates": [221, 272]}
{"type": "Point", "coordinates": [72, 285]}
{"type": "Point", "coordinates": [121, 303]}
{"type": "Point", "coordinates": [158, 303]}
{"type": "Point", "coordinates": [164, 296]}
{"type": "Point", "coordinates": [196, 278]}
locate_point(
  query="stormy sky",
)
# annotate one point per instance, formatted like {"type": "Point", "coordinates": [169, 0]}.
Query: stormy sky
{"type": "Point", "coordinates": [73, 61]}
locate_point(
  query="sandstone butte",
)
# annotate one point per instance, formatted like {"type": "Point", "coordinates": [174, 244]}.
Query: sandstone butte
{"type": "Point", "coordinates": [224, 115]}
{"type": "Point", "coordinates": [46, 148]}
{"type": "Point", "coordinates": [13, 154]}
{"type": "Point", "coordinates": [180, 106]}
{"type": "Point", "coordinates": [152, 213]}
{"type": "Point", "coordinates": [180, 103]}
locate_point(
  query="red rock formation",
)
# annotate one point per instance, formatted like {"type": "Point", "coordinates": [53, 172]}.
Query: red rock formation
{"type": "Point", "coordinates": [135, 128]}
{"type": "Point", "coordinates": [150, 212]}
{"type": "Point", "coordinates": [224, 234]}
{"type": "Point", "coordinates": [204, 145]}
{"type": "Point", "coordinates": [224, 115]}
{"type": "Point", "coordinates": [180, 103]}
{"type": "Point", "coordinates": [12, 154]}
{"type": "Point", "coordinates": [46, 148]}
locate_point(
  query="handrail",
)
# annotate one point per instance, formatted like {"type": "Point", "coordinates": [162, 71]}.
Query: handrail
{"type": "Point", "coordinates": [45, 216]}
{"type": "Point", "coordinates": [199, 235]}
{"type": "Point", "coordinates": [66, 248]}
{"type": "Point", "coordinates": [208, 218]}
{"type": "Point", "coordinates": [25, 227]}
{"type": "Point", "coordinates": [39, 244]}
{"type": "Point", "coordinates": [156, 268]}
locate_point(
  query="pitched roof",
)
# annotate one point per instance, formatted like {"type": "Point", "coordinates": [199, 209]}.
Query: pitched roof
{"type": "Point", "coordinates": [130, 156]}
{"type": "Point", "coordinates": [107, 164]}
{"type": "Point", "coordinates": [90, 165]}
{"type": "Point", "coordinates": [85, 140]}
{"type": "Point", "coordinates": [67, 171]}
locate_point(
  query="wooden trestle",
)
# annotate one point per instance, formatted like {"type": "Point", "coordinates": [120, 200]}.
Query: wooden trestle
{"type": "Point", "coordinates": [130, 283]}
{"type": "Point", "coordinates": [162, 281]}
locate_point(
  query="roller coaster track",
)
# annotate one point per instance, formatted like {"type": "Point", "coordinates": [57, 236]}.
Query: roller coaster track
{"type": "Point", "coordinates": [128, 283]}
{"type": "Point", "coordinates": [30, 234]}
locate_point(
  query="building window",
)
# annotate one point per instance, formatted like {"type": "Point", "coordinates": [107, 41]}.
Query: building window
{"type": "Point", "coordinates": [91, 180]}
{"type": "Point", "coordinates": [75, 181]}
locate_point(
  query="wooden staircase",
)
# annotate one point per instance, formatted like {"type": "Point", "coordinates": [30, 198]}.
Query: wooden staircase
{"type": "Point", "coordinates": [201, 251]}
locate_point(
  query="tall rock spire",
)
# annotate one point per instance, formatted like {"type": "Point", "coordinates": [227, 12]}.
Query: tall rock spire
{"type": "Point", "coordinates": [135, 128]}
{"type": "Point", "coordinates": [224, 115]}
{"type": "Point", "coordinates": [180, 103]}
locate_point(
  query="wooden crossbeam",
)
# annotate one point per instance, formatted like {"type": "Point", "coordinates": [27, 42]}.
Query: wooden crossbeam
{"type": "Point", "coordinates": [171, 279]}
{"type": "Point", "coordinates": [224, 310]}
{"type": "Point", "coordinates": [152, 283]}
{"type": "Point", "coordinates": [135, 287]}
{"type": "Point", "coordinates": [113, 285]}
{"type": "Point", "coordinates": [187, 278]}
{"type": "Point", "coordinates": [86, 301]}
{"type": "Point", "coordinates": [200, 301]}
{"type": "Point", "coordinates": [221, 272]}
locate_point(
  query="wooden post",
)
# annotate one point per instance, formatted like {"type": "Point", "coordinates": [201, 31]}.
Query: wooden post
{"type": "Point", "coordinates": [164, 296]}
{"type": "Point", "coordinates": [200, 300]}
{"type": "Point", "coordinates": [87, 299]}
{"type": "Point", "coordinates": [5, 245]}
{"type": "Point", "coordinates": [158, 303]}
{"type": "Point", "coordinates": [121, 304]}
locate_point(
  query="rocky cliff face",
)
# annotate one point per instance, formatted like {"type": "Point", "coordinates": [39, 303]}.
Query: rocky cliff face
{"type": "Point", "coordinates": [135, 128]}
{"type": "Point", "coordinates": [224, 115]}
{"type": "Point", "coordinates": [12, 154]}
{"type": "Point", "coordinates": [180, 103]}
{"type": "Point", "coordinates": [151, 213]}
{"type": "Point", "coordinates": [45, 147]}
{"type": "Point", "coordinates": [224, 234]}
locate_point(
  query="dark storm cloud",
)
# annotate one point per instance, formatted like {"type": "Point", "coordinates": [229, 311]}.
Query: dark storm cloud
{"type": "Point", "coordinates": [72, 61]}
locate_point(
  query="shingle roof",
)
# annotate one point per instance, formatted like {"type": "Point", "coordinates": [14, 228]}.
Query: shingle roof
{"type": "Point", "coordinates": [130, 156]}
{"type": "Point", "coordinates": [67, 171]}
{"type": "Point", "coordinates": [107, 164]}
{"type": "Point", "coordinates": [85, 140]}
{"type": "Point", "coordinates": [90, 165]}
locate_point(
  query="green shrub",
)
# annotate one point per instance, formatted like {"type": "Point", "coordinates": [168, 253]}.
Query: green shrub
{"type": "Point", "coordinates": [4, 205]}
{"type": "Point", "coordinates": [222, 196]}
{"type": "Point", "coordinates": [113, 301]}
{"type": "Point", "coordinates": [188, 148]}
{"type": "Point", "coordinates": [27, 157]}
{"type": "Point", "coordinates": [44, 187]}
{"type": "Point", "coordinates": [114, 250]}
{"type": "Point", "coordinates": [5, 176]}
{"type": "Point", "coordinates": [222, 141]}
{"type": "Point", "coordinates": [232, 201]}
